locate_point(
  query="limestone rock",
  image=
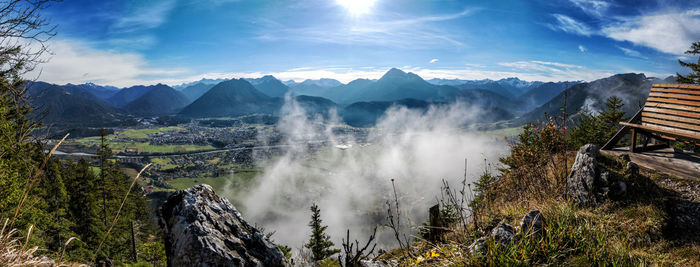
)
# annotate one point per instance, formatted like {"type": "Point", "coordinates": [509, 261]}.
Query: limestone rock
{"type": "Point", "coordinates": [503, 233]}
{"type": "Point", "coordinates": [580, 182]}
{"type": "Point", "coordinates": [202, 229]}
{"type": "Point", "coordinates": [478, 247]}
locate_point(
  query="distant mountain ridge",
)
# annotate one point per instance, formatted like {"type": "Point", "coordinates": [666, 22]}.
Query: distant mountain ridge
{"type": "Point", "coordinates": [234, 97]}
{"type": "Point", "coordinates": [160, 100]}
{"type": "Point", "coordinates": [269, 85]}
{"type": "Point", "coordinates": [359, 102]}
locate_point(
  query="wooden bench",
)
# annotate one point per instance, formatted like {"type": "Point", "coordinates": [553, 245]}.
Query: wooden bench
{"type": "Point", "coordinates": [672, 112]}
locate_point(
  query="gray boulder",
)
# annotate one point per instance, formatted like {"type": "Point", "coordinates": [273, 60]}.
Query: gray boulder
{"type": "Point", "coordinates": [479, 246]}
{"type": "Point", "coordinates": [581, 179]}
{"type": "Point", "coordinates": [533, 222]}
{"type": "Point", "coordinates": [503, 233]}
{"type": "Point", "coordinates": [202, 229]}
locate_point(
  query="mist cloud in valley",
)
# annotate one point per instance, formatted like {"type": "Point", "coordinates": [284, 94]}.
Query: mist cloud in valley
{"type": "Point", "coordinates": [416, 148]}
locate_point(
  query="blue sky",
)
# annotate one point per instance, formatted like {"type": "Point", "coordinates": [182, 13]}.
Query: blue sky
{"type": "Point", "coordinates": [173, 41]}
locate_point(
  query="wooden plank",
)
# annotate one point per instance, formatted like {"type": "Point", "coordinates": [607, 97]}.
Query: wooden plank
{"type": "Point", "coordinates": [670, 118]}
{"type": "Point", "coordinates": [676, 91]}
{"type": "Point", "coordinates": [680, 125]}
{"type": "Point", "coordinates": [671, 106]}
{"type": "Point", "coordinates": [675, 96]}
{"type": "Point", "coordinates": [665, 130]}
{"type": "Point", "coordinates": [674, 101]}
{"type": "Point", "coordinates": [673, 112]}
{"type": "Point", "coordinates": [684, 86]}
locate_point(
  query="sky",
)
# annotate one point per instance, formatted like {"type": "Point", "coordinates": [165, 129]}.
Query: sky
{"type": "Point", "coordinates": [124, 43]}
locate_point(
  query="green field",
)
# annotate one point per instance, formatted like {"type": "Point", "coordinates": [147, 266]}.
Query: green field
{"type": "Point", "coordinates": [148, 148]}
{"type": "Point", "coordinates": [237, 181]}
{"type": "Point", "coordinates": [144, 132]}
{"type": "Point", "coordinates": [145, 147]}
{"type": "Point", "coordinates": [163, 163]}
{"type": "Point", "coordinates": [505, 132]}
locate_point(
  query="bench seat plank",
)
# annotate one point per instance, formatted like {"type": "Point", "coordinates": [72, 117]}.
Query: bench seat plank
{"type": "Point", "coordinates": [674, 101]}
{"type": "Point", "coordinates": [691, 121]}
{"type": "Point", "coordinates": [676, 91]}
{"type": "Point", "coordinates": [665, 130]}
{"type": "Point", "coordinates": [675, 96]}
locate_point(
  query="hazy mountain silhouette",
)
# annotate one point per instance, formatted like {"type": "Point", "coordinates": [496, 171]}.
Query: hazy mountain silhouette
{"type": "Point", "coordinates": [160, 100]}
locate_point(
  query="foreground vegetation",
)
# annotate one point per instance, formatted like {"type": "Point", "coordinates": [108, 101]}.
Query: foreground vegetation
{"type": "Point", "coordinates": [637, 228]}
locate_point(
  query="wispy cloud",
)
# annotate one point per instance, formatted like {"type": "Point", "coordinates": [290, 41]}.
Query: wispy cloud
{"type": "Point", "coordinates": [631, 52]}
{"type": "Point", "coordinates": [581, 48]}
{"type": "Point", "coordinates": [145, 15]}
{"type": "Point", "coordinates": [668, 32]}
{"type": "Point", "coordinates": [434, 60]}
{"type": "Point", "coordinates": [592, 7]}
{"type": "Point", "coordinates": [554, 71]}
{"type": "Point", "coordinates": [385, 30]}
{"type": "Point", "coordinates": [569, 25]}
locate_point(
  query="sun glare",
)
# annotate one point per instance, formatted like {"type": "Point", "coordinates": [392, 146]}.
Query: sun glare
{"type": "Point", "coordinates": [357, 7]}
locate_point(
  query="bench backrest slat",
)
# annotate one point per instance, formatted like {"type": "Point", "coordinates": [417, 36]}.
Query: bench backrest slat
{"type": "Point", "coordinates": [673, 107]}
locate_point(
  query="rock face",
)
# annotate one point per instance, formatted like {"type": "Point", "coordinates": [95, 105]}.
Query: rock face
{"type": "Point", "coordinates": [203, 229]}
{"type": "Point", "coordinates": [579, 184]}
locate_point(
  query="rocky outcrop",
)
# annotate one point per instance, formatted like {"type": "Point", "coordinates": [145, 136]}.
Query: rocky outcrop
{"type": "Point", "coordinates": [202, 229]}
{"type": "Point", "coordinates": [587, 184]}
{"type": "Point", "coordinates": [579, 183]}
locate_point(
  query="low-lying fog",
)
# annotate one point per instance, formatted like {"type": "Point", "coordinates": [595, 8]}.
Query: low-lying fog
{"type": "Point", "coordinates": [351, 185]}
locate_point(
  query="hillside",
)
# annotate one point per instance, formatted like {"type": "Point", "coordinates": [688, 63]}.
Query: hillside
{"type": "Point", "coordinates": [541, 94]}
{"type": "Point", "coordinates": [632, 88]}
{"type": "Point", "coordinates": [230, 98]}
{"type": "Point", "coordinates": [160, 100]}
{"type": "Point", "coordinates": [56, 104]}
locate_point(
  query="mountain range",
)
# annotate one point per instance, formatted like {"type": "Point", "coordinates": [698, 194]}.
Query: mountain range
{"type": "Point", "coordinates": [360, 102]}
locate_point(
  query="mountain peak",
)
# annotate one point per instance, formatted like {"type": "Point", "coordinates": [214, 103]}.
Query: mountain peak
{"type": "Point", "coordinates": [394, 72]}
{"type": "Point", "coordinates": [397, 74]}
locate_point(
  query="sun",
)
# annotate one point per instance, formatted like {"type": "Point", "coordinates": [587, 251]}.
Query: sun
{"type": "Point", "coordinates": [357, 7]}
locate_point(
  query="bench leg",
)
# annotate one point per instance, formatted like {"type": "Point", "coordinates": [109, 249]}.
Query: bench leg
{"type": "Point", "coordinates": [634, 141]}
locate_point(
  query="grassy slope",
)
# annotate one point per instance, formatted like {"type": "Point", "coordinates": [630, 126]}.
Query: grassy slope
{"type": "Point", "coordinates": [636, 229]}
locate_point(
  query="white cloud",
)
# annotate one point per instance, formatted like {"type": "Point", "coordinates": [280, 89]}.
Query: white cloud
{"type": "Point", "coordinates": [570, 25]}
{"type": "Point", "coordinates": [581, 48]}
{"type": "Point", "coordinates": [630, 52]}
{"type": "Point", "coordinates": [434, 60]}
{"type": "Point", "coordinates": [668, 32]}
{"type": "Point", "coordinates": [75, 62]}
{"type": "Point", "coordinates": [592, 7]}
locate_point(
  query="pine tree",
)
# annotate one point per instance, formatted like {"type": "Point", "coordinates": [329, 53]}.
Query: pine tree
{"type": "Point", "coordinates": [612, 116]}
{"type": "Point", "coordinates": [597, 128]}
{"type": "Point", "coordinates": [694, 76]}
{"type": "Point", "coordinates": [319, 243]}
